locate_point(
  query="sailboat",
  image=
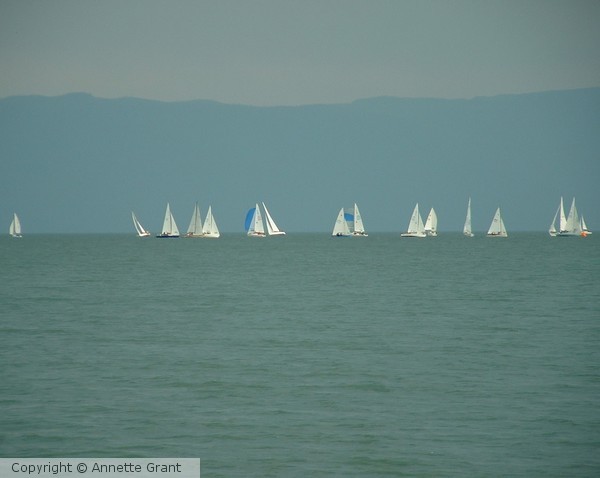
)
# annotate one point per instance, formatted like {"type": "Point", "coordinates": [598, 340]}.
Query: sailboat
{"type": "Point", "coordinates": [15, 226]}
{"type": "Point", "coordinates": [272, 228]}
{"type": "Point", "coordinates": [415, 226]}
{"type": "Point", "coordinates": [254, 225]}
{"type": "Point", "coordinates": [431, 223]}
{"type": "Point", "coordinates": [138, 226]}
{"type": "Point", "coordinates": [570, 225]}
{"type": "Point", "coordinates": [210, 229]}
{"type": "Point", "coordinates": [497, 228]}
{"type": "Point", "coordinates": [552, 230]}
{"type": "Point", "coordinates": [584, 229]}
{"type": "Point", "coordinates": [341, 228]}
{"type": "Point", "coordinates": [467, 228]}
{"type": "Point", "coordinates": [358, 228]}
{"type": "Point", "coordinates": [169, 228]}
{"type": "Point", "coordinates": [195, 227]}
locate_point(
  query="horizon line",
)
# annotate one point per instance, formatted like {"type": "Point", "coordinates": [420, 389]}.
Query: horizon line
{"type": "Point", "coordinates": [333, 103]}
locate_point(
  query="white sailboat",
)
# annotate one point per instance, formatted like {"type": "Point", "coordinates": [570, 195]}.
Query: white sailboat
{"type": "Point", "coordinates": [497, 228]}
{"type": "Point", "coordinates": [272, 228]}
{"type": "Point", "coordinates": [15, 226]}
{"type": "Point", "coordinates": [562, 221]}
{"type": "Point", "coordinates": [138, 226]}
{"type": "Point", "coordinates": [254, 224]}
{"type": "Point", "coordinates": [431, 223]}
{"type": "Point", "coordinates": [169, 229]}
{"type": "Point", "coordinates": [467, 228]}
{"type": "Point", "coordinates": [210, 229]}
{"type": "Point", "coordinates": [195, 227]}
{"type": "Point", "coordinates": [415, 226]}
{"type": "Point", "coordinates": [552, 230]}
{"type": "Point", "coordinates": [358, 229]}
{"type": "Point", "coordinates": [584, 229]}
{"type": "Point", "coordinates": [571, 226]}
{"type": "Point", "coordinates": [341, 228]}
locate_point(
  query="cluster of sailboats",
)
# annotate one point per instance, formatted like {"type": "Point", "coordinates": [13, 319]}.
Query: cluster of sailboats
{"type": "Point", "coordinates": [255, 226]}
{"type": "Point", "coordinates": [571, 225]}
{"type": "Point", "coordinates": [197, 228]}
{"type": "Point", "coordinates": [348, 223]}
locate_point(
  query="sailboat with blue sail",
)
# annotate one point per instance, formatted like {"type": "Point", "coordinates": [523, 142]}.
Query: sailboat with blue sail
{"type": "Point", "coordinates": [253, 224]}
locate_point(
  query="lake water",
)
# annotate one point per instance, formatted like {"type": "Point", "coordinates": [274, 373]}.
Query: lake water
{"type": "Point", "coordinates": [305, 355]}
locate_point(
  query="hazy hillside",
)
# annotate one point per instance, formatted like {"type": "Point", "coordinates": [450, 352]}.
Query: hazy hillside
{"type": "Point", "coordinates": [80, 164]}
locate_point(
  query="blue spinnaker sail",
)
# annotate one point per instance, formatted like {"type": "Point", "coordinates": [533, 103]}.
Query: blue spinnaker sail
{"type": "Point", "coordinates": [249, 218]}
{"type": "Point", "coordinates": [349, 217]}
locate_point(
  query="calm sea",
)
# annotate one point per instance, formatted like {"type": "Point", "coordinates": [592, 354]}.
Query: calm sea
{"type": "Point", "coordinates": [305, 356]}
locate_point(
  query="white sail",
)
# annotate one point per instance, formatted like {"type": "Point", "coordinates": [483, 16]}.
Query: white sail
{"type": "Point", "coordinates": [138, 226]}
{"type": "Point", "coordinates": [584, 229]}
{"type": "Point", "coordinates": [415, 225]}
{"type": "Point", "coordinates": [169, 228]}
{"type": "Point", "coordinates": [569, 225]}
{"type": "Point", "coordinates": [340, 228]}
{"type": "Point", "coordinates": [552, 230]}
{"type": "Point", "coordinates": [497, 228]}
{"type": "Point", "coordinates": [467, 228]}
{"type": "Point", "coordinates": [256, 227]}
{"type": "Point", "coordinates": [359, 227]}
{"type": "Point", "coordinates": [15, 226]}
{"type": "Point", "coordinates": [272, 228]}
{"type": "Point", "coordinates": [210, 229]}
{"type": "Point", "coordinates": [431, 223]}
{"type": "Point", "coordinates": [195, 227]}
{"type": "Point", "coordinates": [563, 218]}
{"type": "Point", "coordinates": [573, 224]}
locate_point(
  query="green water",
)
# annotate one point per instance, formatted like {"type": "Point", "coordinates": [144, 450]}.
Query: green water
{"type": "Point", "coordinates": [305, 355]}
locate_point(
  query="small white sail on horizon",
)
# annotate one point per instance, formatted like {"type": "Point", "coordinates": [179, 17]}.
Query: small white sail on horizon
{"type": "Point", "coordinates": [552, 229]}
{"type": "Point", "coordinates": [169, 228]}
{"type": "Point", "coordinates": [141, 231]}
{"type": "Point", "coordinates": [210, 229]}
{"type": "Point", "coordinates": [497, 228]}
{"type": "Point", "coordinates": [573, 227]}
{"type": "Point", "coordinates": [341, 228]}
{"type": "Point", "coordinates": [415, 225]}
{"type": "Point", "coordinates": [431, 223]}
{"type": "Point", "coordinates": [272, 228]}
{"type": "Point", "coordinates": [195, 227]}
{"type": "Point", "coordinates": [584, 229]}
{"type": "Point", "coordinates": [358, 229]}
{"type": "Point", "coordinates": [467, 227]}
{"type": "Point", "coordinates": [15, 226]}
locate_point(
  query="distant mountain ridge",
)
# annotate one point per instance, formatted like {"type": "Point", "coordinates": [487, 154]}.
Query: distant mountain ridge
{"type": "Point", "coordinates": [77, 163]}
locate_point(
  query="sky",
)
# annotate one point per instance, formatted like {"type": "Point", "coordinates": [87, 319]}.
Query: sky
{"type": "Point", "coordinates": [280, 52]}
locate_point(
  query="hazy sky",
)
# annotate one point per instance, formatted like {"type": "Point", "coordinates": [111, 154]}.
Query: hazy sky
{"type": "Point", "coordinates": [279, 52]}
